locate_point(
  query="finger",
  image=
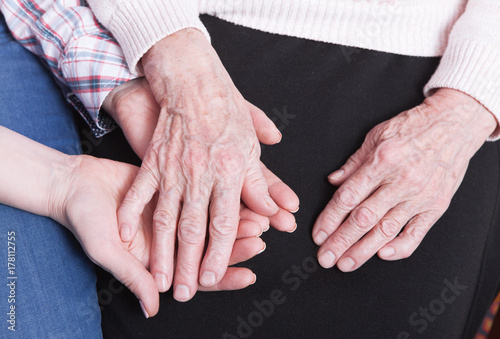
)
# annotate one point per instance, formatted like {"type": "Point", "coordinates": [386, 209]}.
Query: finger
{"type": "Point", "coordinates": [236, 278]}
{"type": "Point", "coordinates": [385, 231]}
{"type": "Point", "coordinates": [407, 242]}
{"type": "Point", "coordinates": [255, 192]}
{"type": "Point", "coordinates": [223, 228]}
{"type": "Point", "coordinates": [347, 197]}
{"type": "Point", "coordinates": [247, 214]}
{"type": "Point", "coordinates": [361, 220]}
{"type": "Point", "coordinates": [138, 196]}
{"type": "Point", "coordinates": [283, 195]}
{"type": "Point", "coordinates": [245, 249]}
{"type": "Point", "coordinates": [357, 160]}
{"type": "Point", "coordinates": [248, 229]}
{"type": "Point", "coordinates": [283, 221]}
{"type": "Point", "coordinates": [165, 220]}
{"type": "Point", "coordinates": [132, 273]}
{"type": "Point", "coordinates": [191, 242]}
{"type": "Point", "coordinates": [266, 130]}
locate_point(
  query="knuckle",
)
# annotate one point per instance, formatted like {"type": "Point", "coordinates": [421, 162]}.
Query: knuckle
{"type": "Point", "coordinates": [217, 260]}
{"type": "Point", "coordinates": [416, 234]}
{"type": "Point", "coordinates": [134, 196]}
{"type": "Point", "coordinates": [164, 221]}
{"type": "Point", "coordinates": [388, 228]}
{"type": "Point", "coordinates": [346, 198]}
{"type": "Point", "coordinates": [190, 232]}
{"type": "Point", "coordinates": [223, 226]}
{"type": "Point", "coordinates": [230, 161]}
{"type": "Point", "coordinates": [386, 153]}
{"type": "Point", "coordinates": [328, 218]}
{"type": "Point", "coordinates": [340, 243]}
{"type": "Point", "coordinates": [364, 218]}
{"type": "Point", "coordinates": [388, 129]}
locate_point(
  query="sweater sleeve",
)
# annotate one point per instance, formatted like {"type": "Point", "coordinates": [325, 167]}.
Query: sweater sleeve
{"type": "Point", "coordinates": [139, 24]}
{"type": "Point", "coordinates": [471, 62]}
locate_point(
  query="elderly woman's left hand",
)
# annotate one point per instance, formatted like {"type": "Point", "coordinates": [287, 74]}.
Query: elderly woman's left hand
{"type": "Point", "coordinates": [405, 173]}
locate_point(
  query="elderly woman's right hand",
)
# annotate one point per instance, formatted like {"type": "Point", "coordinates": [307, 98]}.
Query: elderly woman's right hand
{"type": "Point", "coordinates": [203, 152]}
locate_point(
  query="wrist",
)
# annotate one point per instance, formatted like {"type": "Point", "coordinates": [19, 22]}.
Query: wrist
{"type": "Point", "coordinates": [117, 96]}
{"type": "Point", "coordinates": [455, 105]}
{"type": "Point", "coordinates": [173, 46]}
{"type": "Point", "coordinates": [183, 57]}
{"type": "Point", "coordinates": [64, 172]}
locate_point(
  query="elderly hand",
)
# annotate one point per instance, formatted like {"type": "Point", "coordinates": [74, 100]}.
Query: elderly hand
{"type": "Point", "coordinates": [86, 200]}
{"type": "Point", "coordinates": [134, 108]}
{"type": "Point", "coordinates": [204, 156]}
{"type": "Point", "coordinates": [404, 175]}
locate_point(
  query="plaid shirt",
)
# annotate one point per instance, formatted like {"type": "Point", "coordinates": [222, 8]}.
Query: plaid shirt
{"type": "Point", "coordinates": [85, 59]}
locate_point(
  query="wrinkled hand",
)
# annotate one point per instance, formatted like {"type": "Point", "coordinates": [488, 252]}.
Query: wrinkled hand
{"type": "Point", "coordinates": [88, 202]}
{"type": "Point", "coordinates": [204, 151]}
{"type": "Point", "coordinates": [134, 108]}
{"type": "Point", "coordinates": [405, 173]}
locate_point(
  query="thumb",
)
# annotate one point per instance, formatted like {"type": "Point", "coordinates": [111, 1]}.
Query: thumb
{"type": "Point", "coordinates": [138, 196]}
{"type": "Point", "coordinates": [132, 273]}
{"type": "Point", "coordinates": [266, 130]}
{"type": "Point", "coordinates": [255, 191]}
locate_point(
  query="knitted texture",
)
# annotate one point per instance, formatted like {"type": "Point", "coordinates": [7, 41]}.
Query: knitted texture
{"type": "Point", "coordinates": [465, 32]}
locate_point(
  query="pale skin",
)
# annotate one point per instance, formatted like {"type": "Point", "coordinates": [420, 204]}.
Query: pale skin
{"type": "Point", "coordinates": [134, 108]}
{"type": "Point", "coordinates": [83, 193]}
{"type": "Point", "coordinates": [203, 159]}
{"type": "Point", "coordinates": [402, 178]}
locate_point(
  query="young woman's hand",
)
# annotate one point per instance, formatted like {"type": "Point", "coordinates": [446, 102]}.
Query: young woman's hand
{"type": "Point", "coordinates": [86, 201]}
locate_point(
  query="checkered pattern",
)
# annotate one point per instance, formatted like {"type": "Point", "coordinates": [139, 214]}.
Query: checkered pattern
{"type": "Point", "coordinates": [82, 54]}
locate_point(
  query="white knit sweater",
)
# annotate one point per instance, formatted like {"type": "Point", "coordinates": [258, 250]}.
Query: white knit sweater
{"type": "Point", "coordinates": [466, 33]}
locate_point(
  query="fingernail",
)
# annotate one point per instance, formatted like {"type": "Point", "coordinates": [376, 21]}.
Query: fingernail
{"type": "Point", "coordinates": [294, 228]}
{"type": "Point", "coordinates": [125, 233]}
{"type": "Point", "coordinates": [181, 293]}
{"type": "Point", "coordinates": [387, 252]}
{"type": "Point", "coordinates": [270, 202]}
{"type": "Point", "coordinates": [261, 232]}
{"type": "Point", "coordinates": [144, 310]}
{"type": "Point", "coordinates": [263, 249]}
{"type": "Point", "coordinates": [281, 136]}
{"type": "Point", "coordinates": [327, 259]}
{"type": "Point", "coordinates": [295, 210]}
{"type": "Point", "coordinates": [254, 279]}
{"type": "Point", "coordinates": [267, 228]}
{"type": "Point", "coordinates": [336, 175]}
{"type": "Point", "coordinates": [208, 279]}
{"type": "Point", "coordinates": [161, 282]}
{"type": "Point", "coordinates": [320, 238]}
{"type": "Point", "coordinates": [346, 264]}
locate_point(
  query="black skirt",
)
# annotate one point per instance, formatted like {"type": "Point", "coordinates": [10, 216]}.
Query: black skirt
{"type": "Point", "coordinates": [325, 98]}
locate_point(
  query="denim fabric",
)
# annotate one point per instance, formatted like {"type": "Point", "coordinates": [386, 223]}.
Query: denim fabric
{"type": "Point", "coordinates": [54, 285]}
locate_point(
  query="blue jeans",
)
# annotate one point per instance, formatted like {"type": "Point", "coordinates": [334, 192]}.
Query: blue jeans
{"type": "Point", "coordinates": [49, 288]}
